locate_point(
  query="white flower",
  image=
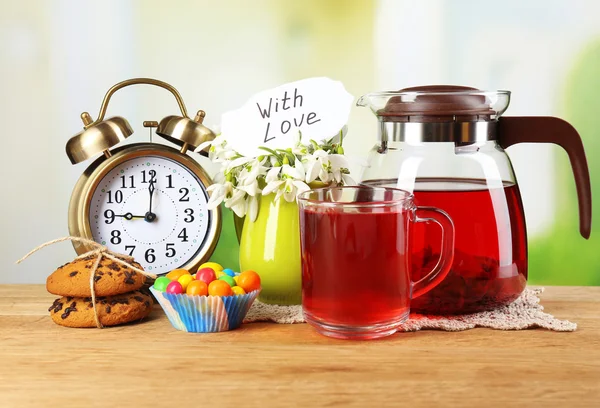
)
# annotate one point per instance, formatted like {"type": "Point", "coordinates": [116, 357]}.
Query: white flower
{"type": "Point", "coordinates": [317, 165]}
{"type": "Point", "coordinates": [237, 203]}
{"type": "Point", "coordinates": [273, 174]}
{"type": "Point", "coordinates": [251, 171]}
{"type": "Point", "coordinates": [219, 192]}
{"type": "Point", "coordinates": [237, 184]}
{"type": "Point", "coordinates": [286, 181]}
{"type": "Point", "coordinates": [218, 148]}
{"type": "Point", "coordinates": [292, 188]}
{"type": "Point", "coordinates": [337, 165]}
{"type": "Point", "coordinates": [299, 149]}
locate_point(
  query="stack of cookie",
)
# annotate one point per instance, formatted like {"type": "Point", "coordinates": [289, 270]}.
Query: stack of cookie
{"type": "Point", "coordinates": [117, 289]}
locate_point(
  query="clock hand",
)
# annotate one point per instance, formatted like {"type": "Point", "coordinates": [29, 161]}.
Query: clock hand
{"type": "Point", "coordinates": [129, 216]}
{"type": "Point", "coordinates": [151, 190]}
{"type": "Point", "coordinates": [150, 216]}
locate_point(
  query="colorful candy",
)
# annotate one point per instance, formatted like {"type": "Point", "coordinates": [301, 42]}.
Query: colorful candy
{"type": "Point", "coordinates": [177, 273]}
{"type": "Point", "coordinates": [219, 288]}
{"type": "Point", "coordinates": [161, 283]}
{"type": "Point", "coordinates": [215, 266]}
{"type": "Point", "coordinates": [185, 281]}
{"type": "Point", "coordinates": [206, 275]}
{"type": "Point", "coordinates": [174, 288]}
{"type": "Point", "coordinates": [210, 280]}
{"type": "Point", "coordinates": [197, 288]}
{"type": "Point", "coordinates": [228, 279]}
{"type": "Point", "coordinates": [249, 281]}
{"type": "Point", "coordinates": [229, 272]}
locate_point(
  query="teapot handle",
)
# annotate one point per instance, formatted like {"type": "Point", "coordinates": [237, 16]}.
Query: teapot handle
{"type": "Point", "coordinates": [546, 129]}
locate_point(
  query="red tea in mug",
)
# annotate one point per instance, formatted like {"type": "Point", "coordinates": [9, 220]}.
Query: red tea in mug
{"type": "Point", "coordinates": [355, 259]}
{"type": "Point", "coordinates": [354, 266]}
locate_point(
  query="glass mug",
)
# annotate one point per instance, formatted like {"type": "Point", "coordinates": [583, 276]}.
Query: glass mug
{"type": "Point", "coordinates": [356, 252]}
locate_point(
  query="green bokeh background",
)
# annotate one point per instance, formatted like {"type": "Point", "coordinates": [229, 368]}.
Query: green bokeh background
{"type": "Point", "coordinates": [561, 256]}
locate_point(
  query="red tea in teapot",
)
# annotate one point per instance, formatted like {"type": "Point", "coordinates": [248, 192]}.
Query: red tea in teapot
{"type": "Point", "coordinates": [490, 257]}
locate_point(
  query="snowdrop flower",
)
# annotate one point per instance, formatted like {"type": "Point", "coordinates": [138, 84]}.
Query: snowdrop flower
{"type": "Point", "coordinates": [251, 171]}
{"type": "Point", "coordinates": [287, 182]}
{"type": "Point", "coordinates": [338, 166]}
{"type": "Point", "coordinates": [237, 203]}
{"type": "Point", "coordinates": [218, 146]}
{"type": "Point", "coordinates": [219, 192]}
{"type": "Point", "coordinates": [238, 183]}
{"type": "Point", "coordinates": [317, 165]}
{"type": "Point", "coordinates": [299, 149]}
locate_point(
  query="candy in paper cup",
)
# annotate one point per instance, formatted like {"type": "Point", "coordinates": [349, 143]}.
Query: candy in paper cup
{"type": "Point", "coordinates": [205, 314]}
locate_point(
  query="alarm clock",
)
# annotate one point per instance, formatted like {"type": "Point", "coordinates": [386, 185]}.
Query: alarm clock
{"type": "Point", "coordinates": [146, 200]}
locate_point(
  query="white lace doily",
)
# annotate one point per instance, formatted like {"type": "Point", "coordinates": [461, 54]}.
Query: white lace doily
{"type": "Point", "coordinates": [524, 313]}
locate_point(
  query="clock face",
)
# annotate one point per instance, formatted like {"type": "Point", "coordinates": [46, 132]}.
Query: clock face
{"type": "Point", "coordinates": [152, 208]}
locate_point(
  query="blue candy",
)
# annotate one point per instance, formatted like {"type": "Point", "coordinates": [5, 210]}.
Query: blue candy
{"type": "Point", "coordinates": [228, 272]}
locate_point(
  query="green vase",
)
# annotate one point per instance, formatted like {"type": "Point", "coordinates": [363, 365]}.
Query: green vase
{"type": "Point", "coordinates": [271, 246]}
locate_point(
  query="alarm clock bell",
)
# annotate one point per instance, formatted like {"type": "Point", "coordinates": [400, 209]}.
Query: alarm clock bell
{"type": "Point", "coordinates": [100, 135]}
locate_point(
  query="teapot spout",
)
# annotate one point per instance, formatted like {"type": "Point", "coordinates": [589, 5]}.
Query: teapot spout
{"type": "Point", "coordinates": [363, 101]}
{"type": "Point", "coordinates": [376, 101]}
{"type": "Point", "coordinates": [373, 101]}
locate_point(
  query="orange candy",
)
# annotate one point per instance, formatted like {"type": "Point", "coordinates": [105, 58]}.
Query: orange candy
{"type": "Point", "coordinates": [249, 281]}
{"type": "Point", "coordinates": [219, 288]}
{"type": "Point", "coordinates": [197, 288]}
{"type": "Point", "coordinates": [175, 274]}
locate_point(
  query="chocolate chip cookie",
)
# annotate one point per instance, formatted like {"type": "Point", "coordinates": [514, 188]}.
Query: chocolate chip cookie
{"type": "Point", "coordinates": [112, 278]}
{"type": "Point", "coordinates": [112, 310]}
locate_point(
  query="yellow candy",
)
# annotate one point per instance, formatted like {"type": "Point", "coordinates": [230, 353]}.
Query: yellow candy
{"type": "Point", "coordinates": [237, 290]}
{"type": "Point", "coordinates": [218, 274]}
{"type": "Point", "coordinates": [216, 267]}
{"type": "Point", "coordinates": [185, 281]}
{"type": "Point", "coordinates": [235, 278]}
{"type": "Point", "coordinates": [175, 274]}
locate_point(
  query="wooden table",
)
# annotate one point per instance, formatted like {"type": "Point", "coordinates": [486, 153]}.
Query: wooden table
{"type": "Point", "coordinates": [151, 364]}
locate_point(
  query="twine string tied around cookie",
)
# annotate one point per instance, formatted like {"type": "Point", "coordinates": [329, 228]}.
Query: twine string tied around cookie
{"type": "Point", "coordinates": [99, 252]}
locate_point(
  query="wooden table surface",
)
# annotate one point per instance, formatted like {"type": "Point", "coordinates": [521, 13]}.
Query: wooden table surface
{"type": "Point", "coordinates": [262, 364]}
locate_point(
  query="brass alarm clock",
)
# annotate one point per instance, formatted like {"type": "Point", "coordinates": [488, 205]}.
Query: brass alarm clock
{"type": "Point", "coordinates": [146, 200]}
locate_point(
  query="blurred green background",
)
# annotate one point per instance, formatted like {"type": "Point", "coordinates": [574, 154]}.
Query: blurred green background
{"type": "Point", "coordinates": [58, 58]}
{"type": "Point", "coordinates": [559, 256]}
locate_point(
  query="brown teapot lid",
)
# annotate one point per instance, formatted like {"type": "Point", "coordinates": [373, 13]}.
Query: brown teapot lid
{"type": "Point", "coordinates": [438, 103]}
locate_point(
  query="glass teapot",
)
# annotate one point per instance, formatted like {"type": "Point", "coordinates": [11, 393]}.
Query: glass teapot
{"type": "Point", "coordinates": [445, 144]}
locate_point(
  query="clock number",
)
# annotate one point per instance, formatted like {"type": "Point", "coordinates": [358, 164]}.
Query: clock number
{"type": "Point", "coordinates": [149, 255]}
{"type": "Point", "coordinates": [185, 193]}
{"type": "Point", "coordinates": [170, 178]}
{"type": "Point", "coordinates": [118, 196]}
{"type": "Point", "coordinates": [170, 251]}
{"type": "Point", "coordinates": [190, 213]}
{"type": "Point", "coordinates": [115, 237]}
{"type": "Point", "coordinates": [183, 235]}
{"type": "Point", "coordinates": [131, 183]}
{"type": "Point", "coordinates": [130, 248]}
{"type": "Point", "coordinates": [110, 216]}
{"type": "Point", "coordinates": [151, 173]}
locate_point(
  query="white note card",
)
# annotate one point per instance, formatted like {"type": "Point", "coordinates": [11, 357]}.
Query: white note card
{"type": "Point", "coordinates": [319, 107]}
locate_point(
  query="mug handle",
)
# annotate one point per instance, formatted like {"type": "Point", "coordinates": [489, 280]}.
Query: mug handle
{"type": "Point", "coordinates": [444, 263]}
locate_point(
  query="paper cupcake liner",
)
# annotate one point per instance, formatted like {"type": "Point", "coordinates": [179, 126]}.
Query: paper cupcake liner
{"type": "Point", "coordinates": [205, 314]}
